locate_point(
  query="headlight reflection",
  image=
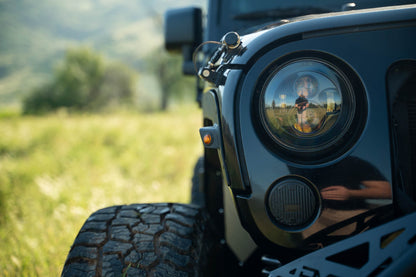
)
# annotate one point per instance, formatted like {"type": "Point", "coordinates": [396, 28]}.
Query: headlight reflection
{"type": "Point", "coordinates": [302, 102]}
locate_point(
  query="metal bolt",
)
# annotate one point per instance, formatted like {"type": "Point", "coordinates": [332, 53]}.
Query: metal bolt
{"type": "Point", "coordinates": [206, 73]}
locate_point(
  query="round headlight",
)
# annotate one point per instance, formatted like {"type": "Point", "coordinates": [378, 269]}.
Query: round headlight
{"type": "Point", "coordinates": [307, 107]}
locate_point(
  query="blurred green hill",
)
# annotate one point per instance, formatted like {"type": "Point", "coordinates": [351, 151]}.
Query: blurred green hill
{"type": "Point", "coordinates": [34, 35]}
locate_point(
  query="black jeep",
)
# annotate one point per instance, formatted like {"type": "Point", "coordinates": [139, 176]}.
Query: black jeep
{"type": "Point", "coordinates": [309, 131]}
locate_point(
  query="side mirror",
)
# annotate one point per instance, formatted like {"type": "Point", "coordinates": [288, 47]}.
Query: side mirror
{"type": "Point", "coordinates": [183, 32]}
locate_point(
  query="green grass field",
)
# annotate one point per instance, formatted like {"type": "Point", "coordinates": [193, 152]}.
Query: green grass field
{"type": "Point", "coordinates": [57, 169]}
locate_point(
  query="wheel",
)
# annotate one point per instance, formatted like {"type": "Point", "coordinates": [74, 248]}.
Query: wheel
{"type": "Point", "coordinates": [197, 193]}
{"type": "Point", "coordinates": [142, 240]}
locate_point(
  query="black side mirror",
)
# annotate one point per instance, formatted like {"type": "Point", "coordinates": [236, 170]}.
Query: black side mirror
{"type": "Point", "coordinates": [183, 32]}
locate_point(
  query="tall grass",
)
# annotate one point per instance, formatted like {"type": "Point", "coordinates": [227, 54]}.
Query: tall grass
{"type": "Point", "coordinates": [56, 170]}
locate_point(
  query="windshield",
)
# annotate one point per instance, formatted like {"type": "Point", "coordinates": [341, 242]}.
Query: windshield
{"type": "Point", "coordinates": [241, 7]}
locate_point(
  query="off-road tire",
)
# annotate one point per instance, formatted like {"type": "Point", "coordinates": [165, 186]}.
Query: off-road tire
{"type": "Point", "coordinates": [142, 240]}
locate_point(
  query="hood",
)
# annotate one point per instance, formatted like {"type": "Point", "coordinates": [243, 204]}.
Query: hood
{"type": "Point", "coordinates": [267, 35]}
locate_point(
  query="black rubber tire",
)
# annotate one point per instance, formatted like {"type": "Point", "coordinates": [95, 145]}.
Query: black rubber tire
{"type": "Point", "coordinates": [197, 192]}
{"type": "Point", "coordinates": [142, 240]}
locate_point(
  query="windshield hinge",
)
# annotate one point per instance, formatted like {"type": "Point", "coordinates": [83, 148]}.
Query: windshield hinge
{"type": "Point", "coordinates": [229, 47]}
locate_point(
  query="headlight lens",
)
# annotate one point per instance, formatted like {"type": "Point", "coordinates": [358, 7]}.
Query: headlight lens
{"type": "Point", "coordinates": [306, 106]}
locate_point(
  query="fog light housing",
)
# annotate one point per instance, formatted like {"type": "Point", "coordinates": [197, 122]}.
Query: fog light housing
{"type": "Point", "coordinates": [293, 203]}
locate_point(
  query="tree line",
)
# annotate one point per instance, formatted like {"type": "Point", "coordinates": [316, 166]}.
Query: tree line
{"type": "Point", "coordinates": [84, 81]}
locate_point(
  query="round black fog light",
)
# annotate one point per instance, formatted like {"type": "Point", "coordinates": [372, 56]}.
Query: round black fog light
{"type": "Point", "coordinates": [293, 203]}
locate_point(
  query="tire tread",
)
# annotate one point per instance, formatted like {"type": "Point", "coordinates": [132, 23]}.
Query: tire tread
{"type": "Point", "coordinates": [145, 239]}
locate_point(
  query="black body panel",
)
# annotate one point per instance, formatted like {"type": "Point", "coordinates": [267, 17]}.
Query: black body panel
{"type": "Point", "coordinates": [369, 46]}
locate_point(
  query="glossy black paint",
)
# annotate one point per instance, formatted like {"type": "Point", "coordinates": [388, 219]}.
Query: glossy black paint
{"type": "Point", "coordinates": [401, 84]}
{"type": "Point", "coordinates": [369, 46]}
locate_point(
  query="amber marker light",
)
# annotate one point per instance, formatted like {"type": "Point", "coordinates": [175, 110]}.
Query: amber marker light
{"type": "Point", "coordinates": [207, 139]}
